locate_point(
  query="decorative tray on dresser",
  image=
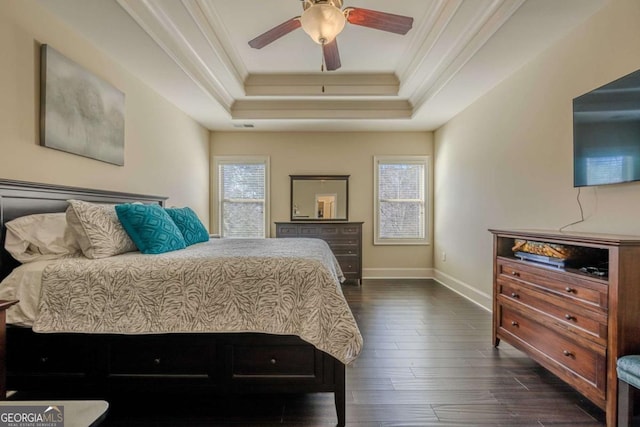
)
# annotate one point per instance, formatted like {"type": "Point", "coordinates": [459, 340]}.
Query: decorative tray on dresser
{"type": "Point", "coordinates": [577, 318]}
{"type": "Point", "coordinates": [344, 239]}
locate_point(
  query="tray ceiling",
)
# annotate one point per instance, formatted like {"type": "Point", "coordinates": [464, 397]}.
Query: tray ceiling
{"type": "Point", "coordinates": [195, 54]}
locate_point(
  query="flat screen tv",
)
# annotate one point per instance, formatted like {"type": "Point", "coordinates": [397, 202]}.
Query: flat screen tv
{"type": "Point", "coordinates": [606, 133]}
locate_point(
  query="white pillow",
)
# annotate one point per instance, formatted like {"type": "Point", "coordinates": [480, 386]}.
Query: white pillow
{"type": "Point", "coordinates": [98, 230]}
{"type": "Point", "coordinates": [40, 237]}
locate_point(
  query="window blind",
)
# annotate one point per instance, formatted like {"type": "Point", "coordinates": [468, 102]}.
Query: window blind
{"type": "Point", "coordinates": [401, 200]}
{"type": "Point", "coordinates": [242, 198]}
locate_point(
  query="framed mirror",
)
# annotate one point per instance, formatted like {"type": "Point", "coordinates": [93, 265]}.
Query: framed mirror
{"type": "Point", "coordinates": [319, 197]}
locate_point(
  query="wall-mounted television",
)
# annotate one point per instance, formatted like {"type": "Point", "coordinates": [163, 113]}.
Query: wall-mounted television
{"type": "Point", "coordinates": [606, 133]}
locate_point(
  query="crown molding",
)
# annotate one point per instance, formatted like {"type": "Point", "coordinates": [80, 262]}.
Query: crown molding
{"type": "Point", "coordinates": [159, 21]}
{"type": "Point", "coordinates": [212, 26]}
{"type": "Point", "coordinates": [329, 109]}
{"type": "Point", "coordinates": [324, 84]}
{"type": "Point", "coordinates": [488, 21]}
{"type": "Point", "coordinates": [427, 35]}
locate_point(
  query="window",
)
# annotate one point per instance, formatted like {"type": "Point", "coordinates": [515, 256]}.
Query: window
{"type": "Point", "coordinates": [242, 196]}
{"type": "Point", "coordinates": [400, 200]}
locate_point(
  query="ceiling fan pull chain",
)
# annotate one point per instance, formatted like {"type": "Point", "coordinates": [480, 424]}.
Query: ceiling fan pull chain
{"type": "Point", "coordinates": [322, 65]}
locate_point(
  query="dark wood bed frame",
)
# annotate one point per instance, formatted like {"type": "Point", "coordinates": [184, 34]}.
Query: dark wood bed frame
{"type": "Point", "coordinates": [96, 365]}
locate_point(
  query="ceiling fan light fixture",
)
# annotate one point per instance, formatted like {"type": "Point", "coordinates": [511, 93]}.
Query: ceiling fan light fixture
{"type": "Point", "coordinates": [323, 22]}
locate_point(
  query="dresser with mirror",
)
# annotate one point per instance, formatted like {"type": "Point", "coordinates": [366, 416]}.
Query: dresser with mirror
{"type": "Point", "coordinates": [320, 209]}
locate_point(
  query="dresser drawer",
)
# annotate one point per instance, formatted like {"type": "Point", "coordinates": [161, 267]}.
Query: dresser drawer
{"type": "Point", "coordinates": [588, 363]}
{"type": "Point", "coordinates": [581, 290]}
{"type": "Point", "coordinates": [309, 231]}
{"type": "Point", "coordinates": [287, 230]}
{"type": "Point", "coordinates": [591, 324]}
{"type": "Point", "coordinates": [150, 355]}
{"type": "Point", "coordinates": [350, 230]}
{"type": "Point", "coordinates": [46, 354]}
{"type": "Point", "coordinates": [264, 361]}
{"type": "Point", "coordinates": [349, 264]}
{"type": "Point", "coordinates": [344, 249]}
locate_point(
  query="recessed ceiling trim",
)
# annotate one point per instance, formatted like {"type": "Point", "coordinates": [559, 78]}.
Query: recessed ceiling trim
{"type": "Point", "coordinates": [160, 26]}
{"type": "Point", "coordinates": [336, 110]}
{"type": "Point", "coordinates": [214, 30]}
{"type": "Point", "coordinates": [428, 33]}
{"type": "Point", "coordinates": [324, 84]}
{"type": "Point", "coordinates": [489, 21]}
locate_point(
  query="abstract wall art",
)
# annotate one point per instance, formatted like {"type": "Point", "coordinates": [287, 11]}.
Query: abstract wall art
{"type": "Point", "coordinates": [80, 113]}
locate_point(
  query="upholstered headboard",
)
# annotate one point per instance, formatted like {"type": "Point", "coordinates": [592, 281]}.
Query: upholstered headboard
{"type": "Point", "coordinates": [18, 198]}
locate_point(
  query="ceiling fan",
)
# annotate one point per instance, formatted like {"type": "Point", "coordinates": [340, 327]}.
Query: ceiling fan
{"type": "Point", "coordinates": [323, 20]}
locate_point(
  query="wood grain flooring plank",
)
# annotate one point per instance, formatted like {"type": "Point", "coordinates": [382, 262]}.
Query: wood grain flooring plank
{"type": "Point", "coordinates": [506, 384]}
{"type": "Point", "coordinates": [358, 383]}
{"type": "Point", "coordinates": [545, 409]}
{"type": "Point", "coordinates": [390, 412]}
{"type": "Point", "coordinates": [462, 372]}
{"type": "Point", "coordinates": [365, 372]}
{"type": "Point", "coordinates": [493, 413]}
{"type": "Point", "coordinates": [484, 347]}
{"type": "Point", "coordinates": [438, 353]}
{"type": "Point", "coordinates": [436, 362]}
{"type": "Point", "coordinates": [505, 362]}
{"type": "Point", "coordinates": [424, 397]}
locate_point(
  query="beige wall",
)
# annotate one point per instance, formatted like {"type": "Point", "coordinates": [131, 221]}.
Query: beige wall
{"type": "Point", "coordinates": [166, 152]}
{"type": "Point", "coordinates": [506, 161]}
{"type": "Point", "coordinates": [335, 154]}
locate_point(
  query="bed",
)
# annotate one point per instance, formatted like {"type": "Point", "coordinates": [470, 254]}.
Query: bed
{"type": "Point", "coordinates": [186, 342]}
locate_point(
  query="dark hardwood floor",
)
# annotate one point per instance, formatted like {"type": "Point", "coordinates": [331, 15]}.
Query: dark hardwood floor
{"type": "Point", "coordinates": [427, 361]}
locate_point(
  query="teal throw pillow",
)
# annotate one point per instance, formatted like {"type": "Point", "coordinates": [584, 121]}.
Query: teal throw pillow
{"type": "Point", "coordinates": [189, 224]}
{"type": "Point", "coordinates": [150, 227]}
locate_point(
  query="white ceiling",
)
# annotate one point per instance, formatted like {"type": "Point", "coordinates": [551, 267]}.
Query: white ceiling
{"type": "Point", "coordinates": [195, 54]}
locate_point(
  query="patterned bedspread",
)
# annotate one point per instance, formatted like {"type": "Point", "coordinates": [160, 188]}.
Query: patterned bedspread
{"type": "Point", "coordinates": [275, 286]}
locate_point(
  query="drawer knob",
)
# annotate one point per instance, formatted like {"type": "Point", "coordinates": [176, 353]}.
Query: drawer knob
{"type": "Point", "coordinates": [273, 361]}
{"type": "Point", "coordinates": [567, 353]}
{"type": "Point", "coordinates": [514, 295]}
{"type": "Point", "coordinates": [515, 273]}
{"type": "Point", "coordinates": [514, 323]}
{"type": "Point", "coordinates": [569, 317]}
{"type": "Point", "coordinates": [570, 290]}
{"type": "Point", "coordinates": [157, 361]}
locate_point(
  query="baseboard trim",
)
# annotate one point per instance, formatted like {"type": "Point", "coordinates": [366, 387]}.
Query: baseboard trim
{"type": "Point", "coordinates": [397, 273]}
{"type": "Point", "coordinates": [467, 291]}
{"type": "Point", "coordinates": [481, 299]}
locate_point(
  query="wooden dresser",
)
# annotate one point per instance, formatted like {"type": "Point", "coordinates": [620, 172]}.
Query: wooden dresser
{"type": "Point", "coordinates": [574, 323]}
{"type": "Point", "coordinates": [344, 239]}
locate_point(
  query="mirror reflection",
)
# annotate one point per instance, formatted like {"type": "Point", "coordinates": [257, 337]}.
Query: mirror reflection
{"type": "Point", "coordinates": [319, 198]}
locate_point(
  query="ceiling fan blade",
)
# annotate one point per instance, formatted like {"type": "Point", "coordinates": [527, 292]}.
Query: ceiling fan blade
{"type": "Point", "coordinates": [379, 20]}
{"type": "Point", "coordinates": [331, 55]}
{"type": "Point", "coordinates": [275, 33]}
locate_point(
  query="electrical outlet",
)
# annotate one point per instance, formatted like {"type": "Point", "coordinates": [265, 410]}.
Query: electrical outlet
{"type": "Point", "coordinates": [444, 256]}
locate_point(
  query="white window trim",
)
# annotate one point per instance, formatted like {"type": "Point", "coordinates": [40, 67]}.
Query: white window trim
{"type": "Point", "coordinates": [217, 205]}
{"type": "Point", "coordinates": [424, 160]}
